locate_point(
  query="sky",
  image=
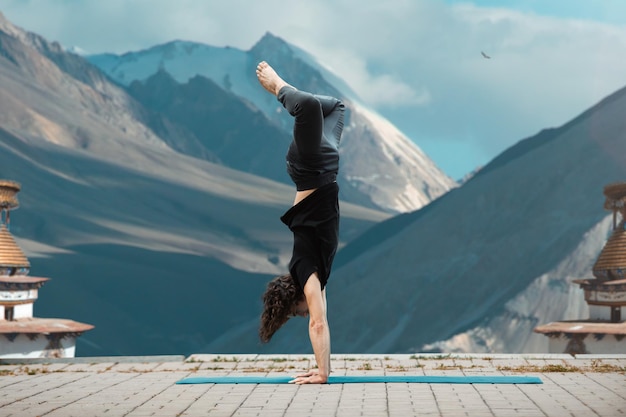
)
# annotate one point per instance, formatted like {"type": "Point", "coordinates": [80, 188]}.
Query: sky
{"type": "Point", "coordinates": [416, 62]}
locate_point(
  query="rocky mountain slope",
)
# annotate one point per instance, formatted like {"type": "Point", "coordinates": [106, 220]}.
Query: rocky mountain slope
{"type": "Point", "coordinates": [482, 245]}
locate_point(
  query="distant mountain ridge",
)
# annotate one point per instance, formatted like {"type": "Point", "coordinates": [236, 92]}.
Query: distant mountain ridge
{"type": "Point", "coordinates": [380, 167]}
{"type": "Point", "coordinates": [218, 133]}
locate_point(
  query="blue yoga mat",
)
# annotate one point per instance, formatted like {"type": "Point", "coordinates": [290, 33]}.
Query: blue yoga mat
{"type": "Point", "coordinates": [360, 379]}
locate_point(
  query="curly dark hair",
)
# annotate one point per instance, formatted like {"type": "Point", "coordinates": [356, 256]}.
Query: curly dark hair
{"type": "Point", "coordinates": [279, 301]}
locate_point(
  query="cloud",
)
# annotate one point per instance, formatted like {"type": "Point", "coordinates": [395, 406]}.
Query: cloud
{"type": "Point", "coordinates": [120, 26]}
{"type": "Point", "coordinates": [544, 71]}
{"type": "Point", "coordinates": [419, 63]}
{"type": "Point", "coordinates": [385, 91]}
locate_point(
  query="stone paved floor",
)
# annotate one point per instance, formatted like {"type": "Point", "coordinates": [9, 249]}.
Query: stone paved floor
{"type": "Point", "coordinates": [585, 385]}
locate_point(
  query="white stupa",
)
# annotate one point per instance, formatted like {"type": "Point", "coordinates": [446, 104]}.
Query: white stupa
{"type": "Point", "coordinates": [604, 332]}
{"type": "Point", "coordinates": [21, 334]}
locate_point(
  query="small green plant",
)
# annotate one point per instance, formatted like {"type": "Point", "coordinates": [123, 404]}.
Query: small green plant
{"type": "Point", "coordinates": [398, 368]}
{"type": "Point", "coordinates": [365, 367]}
{"type": "Point", "coordinates": [541, 369]}
{"type": "Point", "coordinates": [443, 367]}
{"type": "Point", "coordinates": [559, 368]}
{"type": "Point", "coordinates": [442, 356]}
{"type": "Point", "coordinates": [224, 359]}
{"type": "Point", "coordinates": [432, 357]}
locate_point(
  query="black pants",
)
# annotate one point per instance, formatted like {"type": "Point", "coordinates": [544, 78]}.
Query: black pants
{"type": "Point", "coordinates": [315, 117]}
{"type": "Point", "coordinates": [313, 155]}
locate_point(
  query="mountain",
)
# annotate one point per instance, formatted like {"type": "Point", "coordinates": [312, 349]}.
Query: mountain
{"type": "Point", "coordinates": [478, 268]}
{"type": "Point", "coordinates": [380, 167]}
{"type": "Point", "coordinates": [216, 124]}
{"type": "Point", "coordinates": [153, 231]}
{"type": "Point", "coordinates": [551, 296]}
{"type": "Point", "coordinates": [487, 242]}
{"type": "Point", "coordinates": [161, 251]}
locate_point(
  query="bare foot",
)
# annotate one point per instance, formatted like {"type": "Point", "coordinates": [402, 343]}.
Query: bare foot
{"type": "Point", "coordinates": [269, 79]}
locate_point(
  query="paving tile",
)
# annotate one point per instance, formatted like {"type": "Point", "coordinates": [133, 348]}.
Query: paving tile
{"type": "Point", "coordinates": [616, 356]}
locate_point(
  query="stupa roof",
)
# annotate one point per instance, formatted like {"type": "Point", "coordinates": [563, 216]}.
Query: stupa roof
{"type": "Point", "coordinates": [26, 279]}
{"type": "Point", "coordinates": [12, 282]}
{"type": "Point", "coordinates": [8, 194]}
{"type": "Point", "coordinates": [582, 327]}
{"type": "Point", "coordinates": [42, 326]}
{"type": "Point", "coordinates": [10, 254]}
{"type": "Point", "coordinates": [613, 255]}
{"type": "Point", "coordinates": [613, 285]}
{"type": "Point", "coordinates": [615, 196]}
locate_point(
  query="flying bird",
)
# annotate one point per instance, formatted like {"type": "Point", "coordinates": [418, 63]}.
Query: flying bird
{"type": "Point", "coordinates": [485, 55]}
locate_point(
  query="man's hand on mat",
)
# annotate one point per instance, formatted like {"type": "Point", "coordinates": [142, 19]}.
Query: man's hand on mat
{"type": "Point", "coordinates": [311, 377]}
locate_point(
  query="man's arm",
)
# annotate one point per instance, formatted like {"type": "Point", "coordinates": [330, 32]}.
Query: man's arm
{"type": "Point", "coordinates": [318, 332]}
